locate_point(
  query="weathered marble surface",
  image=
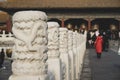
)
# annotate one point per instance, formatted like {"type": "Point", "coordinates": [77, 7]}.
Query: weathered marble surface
{"type": "Point", "coordinates": [54, 62]}
{"type": "Point", "coordinates": [29, 52]}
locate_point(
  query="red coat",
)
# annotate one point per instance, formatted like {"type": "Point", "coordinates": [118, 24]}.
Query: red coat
{"type": "Point", "coordinates": [98, 44]}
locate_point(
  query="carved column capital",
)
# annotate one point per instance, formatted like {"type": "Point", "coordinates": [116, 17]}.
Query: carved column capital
{"type": "Point", "coordinates": [53, 41]}
{"type": "Point", "coordinates": [29, 52]}
{"type": "Point", "coordinates": [89, 22]}
{"type": "Point", "coordinates": [89, 19]}
{"type": "Point", "coordinates": [63, 40]}
{"type": "Point", "coordinates": [62, 21]}
{"type": "Point", "coordinates": [63, 18]}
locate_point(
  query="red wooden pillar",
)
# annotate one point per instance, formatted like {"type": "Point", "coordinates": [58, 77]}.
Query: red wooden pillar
{"type": "Point", "coordinates": [62, 22]}
{"type": "Point", "coordinates": [89, 24]}
{"type": "Point", "coordinates": [8, 25]}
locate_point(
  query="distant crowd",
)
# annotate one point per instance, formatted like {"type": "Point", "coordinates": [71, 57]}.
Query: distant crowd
{"type": "Point", "coordinates": [107, 35]}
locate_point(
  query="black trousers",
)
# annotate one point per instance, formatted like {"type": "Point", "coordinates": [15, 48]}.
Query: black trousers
{"type": "Point", "coordinates": [1, 62]}
{"type": "Point", "coordinates": [98, 55]}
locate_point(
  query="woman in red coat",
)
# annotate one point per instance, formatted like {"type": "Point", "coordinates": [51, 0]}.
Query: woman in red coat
{"type": "Point", "coordinates": [98, 45]}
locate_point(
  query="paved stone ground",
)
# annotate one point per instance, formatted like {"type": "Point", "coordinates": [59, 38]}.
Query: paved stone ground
{"type": "Point", "coordinates": [106, 68]}
{"type": "Point", "coordinates": [114, 45]}
{"type": "Point", "coordinates": [86, 71]}
{"type": "Point", "coordinates": [5, 73]}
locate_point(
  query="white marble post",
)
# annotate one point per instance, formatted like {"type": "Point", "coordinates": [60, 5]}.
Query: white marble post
{"type": "Point", "coordinates": [10, 34]}
{"type": "Point", "coordinates": [78, 55]}
{"type": "Point", "coordinates": [80, 51]}
{"type": "Point", "coordinates": [63, 48]}
{"type": "Point", "coordinates": [54, 64]}
{"type": "Point", "coordinates": [29, 52]}
{"type": "Point", "coordinates": [71, 55]}
{"type": "Point", "coordinates": [75, 52]}
{"type": "Point", "coordinates": [3, 34]}
{"type": "Point", "coordinates": [81, 48]}
{"type": "Point", "coordinates": [75, 49]}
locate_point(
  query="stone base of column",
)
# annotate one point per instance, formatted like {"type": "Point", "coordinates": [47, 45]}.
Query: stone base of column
{"type": "Point", "coordinates": [54, 68]}
{"type": "Point", "coordinates": [72, 65]}
{"type": "Point", "coordinates": [77, 66]}
{"type": "Point", "coordinates": [65, 61]}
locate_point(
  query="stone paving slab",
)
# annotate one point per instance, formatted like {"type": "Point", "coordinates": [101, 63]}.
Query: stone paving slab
{"type": "Point", "coordinates": [106, 68]}
{"type": "Point", "coordinates": [86, 70]}
{"type": "Point", "coordinates": [114, 45]}
{"type": "Point", "coordinates": [5, 73]}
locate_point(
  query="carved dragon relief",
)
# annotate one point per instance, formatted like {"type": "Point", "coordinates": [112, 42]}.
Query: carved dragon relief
{"type": "Point", "coordinates": [30, 47]}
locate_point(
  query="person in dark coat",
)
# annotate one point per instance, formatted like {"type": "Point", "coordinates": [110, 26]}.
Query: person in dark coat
{"type": "Point", "coordinates": [94, 37]}
{"type": "Point", "coordinates": [98, 45]}
{"type": "Point", "coordinates": [2, 57]}
{"type": "Point", "coordinates": [105, 41]}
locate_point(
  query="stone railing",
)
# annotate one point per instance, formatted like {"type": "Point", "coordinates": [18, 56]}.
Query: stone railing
{"type": "Point", "coordinates": [6, 43]}
{"type": "Point", "coordinates": [66, 51]}
{"type": "Point", "coordinates": [6, 39]}
{"type": "Point", "coordinates": [44, 50]}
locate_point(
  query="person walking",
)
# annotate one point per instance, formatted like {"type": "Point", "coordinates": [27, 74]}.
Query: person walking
{"type": "Point", "coordinates": [2, 57]}
{"type": "Point", "coordinates": [105, 42]}
{"type": "Point", "coordinates": [98, 45]}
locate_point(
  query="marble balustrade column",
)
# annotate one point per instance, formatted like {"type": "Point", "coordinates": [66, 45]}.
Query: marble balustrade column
{"type": "Point", "coordinates": [64, 56]}
{"type": "Point", "coordinates": [81, 50]}
{"type": "Point", "coordinates": [29, 51]}
{"type": "Point", "coordinates": [71, 55]}
{"type": "Point", "coordinates": [79, 54]}
{"type": "Point", "coordinates": [75, 54]}
{"type": "Point", "coordinates": [54, 63]}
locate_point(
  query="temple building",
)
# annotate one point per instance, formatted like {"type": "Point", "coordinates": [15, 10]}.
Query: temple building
{"type": "Point", "coordinates": [89, 13]}
{"type": "Point", "coordinates": [56, 49]}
